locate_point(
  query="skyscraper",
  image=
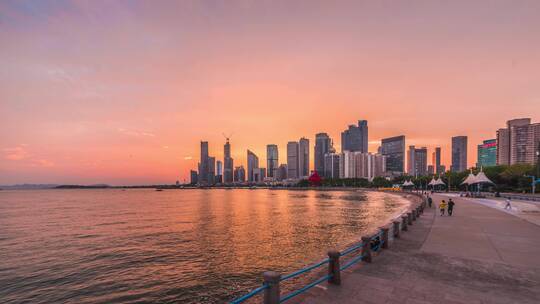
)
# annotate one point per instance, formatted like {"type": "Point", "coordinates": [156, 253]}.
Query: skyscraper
{"type": "Point", "coordinates": [203, 164]}
{"type": "Point", "coordinates": [239, 174]}
{"type": "Point", "coordinates": [211, 171]}
{"type": "Point", "coordinates": [437, 161]}
{"type": "Point", "coordinates": [281, 172]}
{"type": "Point", "coordinates": [417, 161]}
{"type": "Point", "coordinates": [272, 160]}
{"type": "Point", "coordinates": [459, 154]}
{"type": "Point", "coordinates": [219, 172]}
{"type": "Point", "coordinates": [369, 165]}
{"type": "Point", "coordinates": [503, 147]}
{"type": "Point", "coordinates": [518, 143]}
{"type": "Point", "coordinates": [323, 145]}
{"type": "Point", "coordinates": [487, 153]}
{"type": "Point", "coordinates": [253, 163]}
{"type": "Point", "coordinates": [194, 177]}
{"type": "Point", "coordinates": [303, 157]}
{"type": "Point", "coordinates": [393, 149]}
{"type": "Point", "coordinates": [355, 138]}
{"type": "Point", "coordinates": [228, 163]}
{"type": "Point", "coordinates": [331, 165]}
{"type": "Point", "coordinates": [292, 159]}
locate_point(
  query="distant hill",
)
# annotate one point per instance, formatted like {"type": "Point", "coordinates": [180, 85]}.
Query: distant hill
{"type": "Point", "coordinates": [97, 186]}
{"type": "Point", "coordinates": [28, 186]}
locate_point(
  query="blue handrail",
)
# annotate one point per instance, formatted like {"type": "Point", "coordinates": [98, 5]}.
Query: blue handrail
{"type": "Point", "coordinates": [304, 270]}
{"type": "Point", "coordinates": [351, 262]}
{"type": "Point", "coordinates": [249, 295]}
{"type": "Point", "coordinates": [351, 249]}
{"type": "Point", "coordinates": [314, 266]}
{"type": "Point", "coordinates": [305, 288]}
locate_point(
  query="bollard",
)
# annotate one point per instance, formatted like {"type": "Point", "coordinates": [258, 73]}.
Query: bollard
{"type": "Point", "coordinates": [333, 267]}
{"type": "Point", "coordinates": [417, 212]}
{"type": "Point", "coordinates": [396, 229]}
{"type": "Point", "coordinates": [271, 294]}
{"type": "Point", "coordinates": [413, 212]}
{"type": "Point", "coordinates": [384, 237]}
{"type": "Point", "coordinates": [366, 249]}
{"type": "Point", "coordinates": [409, 218]}
{"type": "Point", "coordinates": [405, 221]}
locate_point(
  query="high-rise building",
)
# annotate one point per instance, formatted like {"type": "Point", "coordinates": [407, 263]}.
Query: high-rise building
{"type": "Point", "coordinates": [228, 163]}
{"type": "Point", "coordinates": [253, 163]}
{"type": "Point", "coordinates": [347, 165]}
{"type": "Point", "coordinates": [417, 161]}
{"type": "Point", "coordinates": [323, 145]}
{"type": "Point", "coordinates": [303, 157]}
{"type": "Point", "coordinates": [430, 169]}
{"type": "Point", "coordinates": [331, 165]}
{"type": "Point", "coordinates": [503, 147]}
{"type": "Point", "coordinates": [239, 174]}
{"type": "Point", "coordinates": [518, 143]}
{"type": "Point", "coordinates": [259, 174]}
{"type": "Point", "coordinates": [369, 165]}
{"type": "Point", "coordinates": [393, 149]}
{"type": "Point", "coordinates": [194, 177]}
{"type": "Point", "coordinates": [292, 160]}
{"type": "Point", "coordinates": [459, 154]}
{"type": "Point", "coordinates": [282, 172]}
{"type": "Point", "coordinates": [272, 160]}
{"type": "Point", "coordinates": [203, 164]}
{"type": "Point", "coordinates": [211, 170]}
{"type": "Point", "coordinates": [487, 153]}
{"type": "Point", "coordinates": [219, 172]}
{"type": "Point", "coordinates": [355, 138]}
{"type": "Point", "coordinates": [436, 161]}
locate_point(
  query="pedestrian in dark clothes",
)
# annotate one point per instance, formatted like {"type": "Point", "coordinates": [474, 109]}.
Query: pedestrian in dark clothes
{"type": "Point", "coordinates": [450, 207]}
{"type": "Point", "coordinates": [429, 201]}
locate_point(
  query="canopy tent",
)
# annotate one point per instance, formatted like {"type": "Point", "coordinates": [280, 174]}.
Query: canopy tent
{"type": "Point", "coordinates": [471, 179]}
{"type": "Point", "coordinates": [439, 182]}
{"type": "Point", "coordinates": [408, 184]}
{"type": "Point", "coordinates": [482, 178]}
{"type": "Point", "coordinates": [433, 182]}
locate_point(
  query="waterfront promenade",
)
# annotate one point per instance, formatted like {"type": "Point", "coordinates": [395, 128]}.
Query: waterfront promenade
{"type": "Point", "coordinates": [479, 255]}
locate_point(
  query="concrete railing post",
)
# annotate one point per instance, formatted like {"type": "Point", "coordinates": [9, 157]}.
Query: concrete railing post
{"type": "Point", "coordinates": [384, 237]}
{"type": "Point", "coordinates": [409, 218]}
{"type": "Point", "coordinates": [405, 220]}
{"type": "Point", "coordinates": [418, 211]}
{"type": "Point", "coordinates": [366, 249]}
{"type": "Point", "coordinates": [333, 267]}
{"type": "Point", "coordinates": [396, 229]}
{"type": "Point", "coordinates": [413, 212]}
{"type": "Point", "coordinates": [271, 294]}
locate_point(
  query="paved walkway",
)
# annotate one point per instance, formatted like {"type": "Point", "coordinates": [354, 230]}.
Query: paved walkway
{"type": "Point", "coordinates": [479, 255]}
{"type": "Point", "coordinates": [527, 210]}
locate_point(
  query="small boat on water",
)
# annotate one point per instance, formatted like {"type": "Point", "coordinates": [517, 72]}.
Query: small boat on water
{"type": "Point", "coordinates": [159, 189]}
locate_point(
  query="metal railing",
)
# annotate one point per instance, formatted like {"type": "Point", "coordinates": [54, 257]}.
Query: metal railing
{"type": "Point", "coordinates": [369, 244]}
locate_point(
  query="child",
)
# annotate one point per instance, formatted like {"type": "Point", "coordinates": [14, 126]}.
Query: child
{"type": "Point", "coordinates": [442, 207]}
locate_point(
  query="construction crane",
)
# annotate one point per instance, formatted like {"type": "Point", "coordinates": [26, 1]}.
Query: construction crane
{"type": "Point", "coordinates": [227, 137]}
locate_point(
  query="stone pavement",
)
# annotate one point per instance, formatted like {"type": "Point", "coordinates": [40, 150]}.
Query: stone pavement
{"type": "Point", "coordinates": [479, 255]}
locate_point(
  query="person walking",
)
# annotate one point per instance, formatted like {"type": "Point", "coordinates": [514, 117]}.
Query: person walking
{"type": "Point", "coordinates": [429, 201]}
{"type": "Point", "coordinates": [442, 207]}
{"type": "Point", "coordinates": [450, 207]}
{"type": "Point", "coordinates": [508, 206]}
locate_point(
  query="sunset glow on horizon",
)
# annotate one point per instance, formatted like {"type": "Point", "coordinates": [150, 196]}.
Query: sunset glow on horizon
{"type": "Point", "coordinates": [122, 92]}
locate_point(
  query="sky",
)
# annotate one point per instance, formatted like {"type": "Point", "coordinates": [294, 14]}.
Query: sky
{"type": "Point", "coordinates": [122, 92]}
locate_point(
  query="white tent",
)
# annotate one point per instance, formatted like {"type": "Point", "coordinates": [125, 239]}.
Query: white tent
{"type": "Point", "coordinates": [471, 179]}
{"type": "Point", "coordinates": [408, 184]}
{"type": "Point", "coordinates": [482, 178]}
{"type": "Point", "coordinates": [433, 182]}
{"type": "Point", "coordinates": [439, 182]}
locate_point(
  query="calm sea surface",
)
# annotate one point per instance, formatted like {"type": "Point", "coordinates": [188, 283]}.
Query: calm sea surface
{"type": "Point", "coordinates": [174, 246]}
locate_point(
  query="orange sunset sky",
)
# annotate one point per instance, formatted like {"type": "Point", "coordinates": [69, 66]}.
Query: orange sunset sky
{"type": "Point", "coordinates": [122, 92]}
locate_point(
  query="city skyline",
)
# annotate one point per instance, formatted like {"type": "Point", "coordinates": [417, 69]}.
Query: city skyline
{"type": "Point", "coordinates": [123, 93]}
